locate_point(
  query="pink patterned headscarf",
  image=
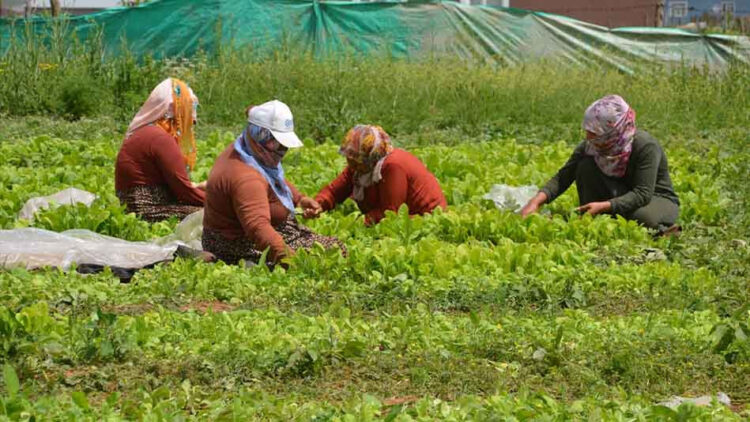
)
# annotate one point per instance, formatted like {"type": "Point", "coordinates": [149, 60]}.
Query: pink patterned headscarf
{"type": "Point", "coordinates": [613, 122]}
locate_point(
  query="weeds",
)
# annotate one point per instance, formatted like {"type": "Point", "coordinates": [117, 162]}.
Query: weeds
{"type": "Point", "coordinates": [45, 75]}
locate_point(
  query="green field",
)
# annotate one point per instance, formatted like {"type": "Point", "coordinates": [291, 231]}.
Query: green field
{"type": "Point", "coordinates": [468, 314]}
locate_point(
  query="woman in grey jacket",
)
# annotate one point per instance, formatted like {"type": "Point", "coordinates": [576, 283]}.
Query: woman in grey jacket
{"type": "Point", "coordinates": [618, 169]}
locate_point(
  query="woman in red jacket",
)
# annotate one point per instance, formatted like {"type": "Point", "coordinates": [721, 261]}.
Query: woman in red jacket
{"type": "Point", "coordinates": [250, 204]}
{"type": "Point", "coordinates": [151, 172]}
{"type": "Point", "coordinates": [380, 177]}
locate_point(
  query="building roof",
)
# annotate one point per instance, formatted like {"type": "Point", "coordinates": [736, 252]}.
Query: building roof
{"type": "Point", "coordinates": [77, 4]}
{"type": "Point", "coordinates": [714, 6]}
{"type": "Point", "coordinates": [76, 7]}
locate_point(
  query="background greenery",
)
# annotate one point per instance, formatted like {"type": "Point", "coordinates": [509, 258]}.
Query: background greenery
{"type": "Point", "coordinates": [55, 77]}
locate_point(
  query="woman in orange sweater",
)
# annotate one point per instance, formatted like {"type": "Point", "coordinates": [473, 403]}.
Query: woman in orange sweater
{"type": "Point", "coordinates": [380, 177]}
{"type": "Point", "coordinates": [250, 206]}
{"type": "Point", "coordinates": [151, 172]}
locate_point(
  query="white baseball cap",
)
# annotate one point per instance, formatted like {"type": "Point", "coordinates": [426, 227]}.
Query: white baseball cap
{"type": "Point", "coordinates": [276, 117]}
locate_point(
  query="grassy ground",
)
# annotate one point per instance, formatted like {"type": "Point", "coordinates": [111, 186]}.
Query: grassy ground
{"type": "Point", "coordinates": [469, 314]}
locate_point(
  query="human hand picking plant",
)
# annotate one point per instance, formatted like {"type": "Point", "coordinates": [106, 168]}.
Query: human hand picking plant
{"type": "Point", "coordinates": [595, 208]}
{"type": "Point", "coordinates": [534, 204]}
{"type": "Point", "coordinates": [310, 207]}
{"type": "Point", "coordinates": [592, 208]}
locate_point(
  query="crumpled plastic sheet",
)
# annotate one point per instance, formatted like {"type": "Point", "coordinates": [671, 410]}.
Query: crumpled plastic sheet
{"type": "Point", "coordinates": [35, 248]}
{"type": "Point", "coordinates": [511, 198]}
{"type": "Point", "coordinates": [69, 196]}
{"type": "Point", "coordinates": [189, 232]}
{"type": "Point", "coordinates": [675, 401]}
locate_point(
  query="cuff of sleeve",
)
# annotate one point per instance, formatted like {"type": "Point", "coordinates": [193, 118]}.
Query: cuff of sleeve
{"type": "Point", "coordinates": [279, 255]}
{"type": "Point", "coordinates": [615, 207]}
{"type": "Point", "coordinates": [547, 192]}
{"type": "Point", "coordinates": [324, 202]}
{"type": "Point", "coordinates": [373, 217]}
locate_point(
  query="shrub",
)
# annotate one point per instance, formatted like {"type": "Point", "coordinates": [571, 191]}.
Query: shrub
{"type": "Point", "coordinates": [79, 97]}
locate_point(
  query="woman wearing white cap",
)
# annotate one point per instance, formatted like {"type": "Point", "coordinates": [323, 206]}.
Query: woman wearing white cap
{"type": "Point", "coordinates": [151, 172]}
{"type": "Point", "coordinates": [249, 203]}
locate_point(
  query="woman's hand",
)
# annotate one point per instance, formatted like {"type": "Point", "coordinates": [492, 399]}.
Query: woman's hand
{"type": "Point", "coordinates": [310, 207]}
{"type": "Point", "coordinates": [529, 208]}
{"type": "Point", "coordinates": [595, 208]}
{"type": "Point", "coordinates": [533, 205]}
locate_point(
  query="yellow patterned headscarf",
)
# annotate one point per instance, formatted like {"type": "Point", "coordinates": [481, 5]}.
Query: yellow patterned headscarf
{"type": "Point", "coordinates": [366, 145]}
{"type": "Point", "coordinates": [365, 148]}
{"type": "Point", "coordinates": [181, 126]}
{"type": "Point", "coordinates": [172, 106]}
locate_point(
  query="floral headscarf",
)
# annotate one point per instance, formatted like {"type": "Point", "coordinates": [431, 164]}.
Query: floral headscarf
{"type": "Point", "coordinates": [366, 146]}
{"type": "Point", "coordinates": [613, 122]}
{"type": "Point", "coordinates": [172, 105]}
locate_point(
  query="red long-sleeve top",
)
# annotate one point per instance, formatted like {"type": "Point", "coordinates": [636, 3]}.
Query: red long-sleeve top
{"type": "Point", "coordinates": [405, 180]}
{"type": "Point", "coordinates": [150, 157]}
{"type": "Point", "coordinates": [241, 203]}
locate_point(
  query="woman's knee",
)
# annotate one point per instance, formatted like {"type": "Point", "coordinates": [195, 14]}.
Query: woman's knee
{"type": "Point", "coordinates": [646, 217]}
{"type": "Point", "coordinates": [655, 215]}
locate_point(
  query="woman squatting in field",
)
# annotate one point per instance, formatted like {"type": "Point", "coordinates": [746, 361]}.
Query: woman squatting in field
{"type": "Point", "coordinates": [151, 172]}
{"type": "Point", "coordinates": [618, 169]}
{"type": "Point", "coordinates": [380, 177]}
{"type": "Point", "coordinates": [250, 205]}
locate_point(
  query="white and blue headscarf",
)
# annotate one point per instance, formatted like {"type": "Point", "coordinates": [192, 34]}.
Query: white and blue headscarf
{"type": "Point", "coordinates": [273, 175]}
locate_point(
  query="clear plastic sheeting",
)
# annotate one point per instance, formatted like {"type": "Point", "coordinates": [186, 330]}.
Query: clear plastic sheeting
{"type": "Point", "coordinates": [70, 196]}
{"type": "Point", "coordinates": [189, 232]}
{"type": "Point", "coordinates": [35, 248]}
{"type": "Point", "coordinates": [410, 29]}
{"type": "Point", "coordinates": [511, 198]}
{"type": "Point", "coordinates": [676, 401]}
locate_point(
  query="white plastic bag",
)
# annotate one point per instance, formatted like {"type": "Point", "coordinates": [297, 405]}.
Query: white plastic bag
{"type": "Point", "coordinates": [675, 401]}
{"type": "Point", "coordinates": [34, 248]}
{"type": "Point", "coordinates": [68, 196]}
{"type": "Point", "coordinates": [189, 232]}
{"type": "Point", "coordinates": [511, 198]}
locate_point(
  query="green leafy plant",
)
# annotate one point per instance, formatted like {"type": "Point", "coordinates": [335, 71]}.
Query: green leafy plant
{"type": "Point", "coordinates": [731, 336]}
{"type": "Point", "coordinates": [79, 98]}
